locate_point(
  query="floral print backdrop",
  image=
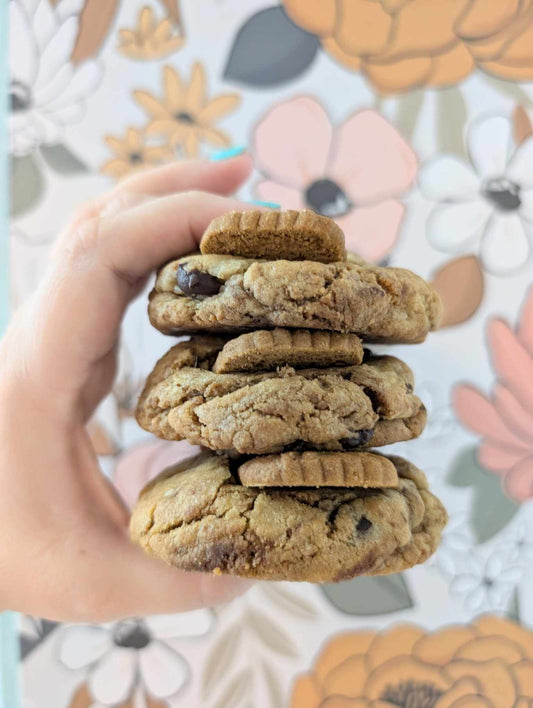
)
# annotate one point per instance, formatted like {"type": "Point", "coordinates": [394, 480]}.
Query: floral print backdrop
{"type": "Point", "coordinates": [410, 123]}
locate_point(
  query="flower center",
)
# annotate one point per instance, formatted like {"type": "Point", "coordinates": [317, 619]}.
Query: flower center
{"type": "Point", "coordinates": [131, 634]}
{"type": "Point", "coordinates": [412, 694]}
{"type": "Point", "coordinates": [135, 158]}
{"type": "Point", "coordinates": [488, 582]}
{"type": "Point", "coordinates": [504, 194]}
{"type": "Point", "coordinates": [326, 197]}
{"type": "Point", "coordinates": [184, 117]}
{"type": "Point", "coordinates": [19, 96]}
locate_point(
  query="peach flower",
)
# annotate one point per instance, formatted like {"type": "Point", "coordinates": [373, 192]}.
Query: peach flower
{"type": "Point", "coordinates": [405, 44]}
{"type": "Point", "coordinates": [354, 174]}
{"type": "Point", "coordinates": [505, 420]}
{"type": "Point", "coordinates": [141, 463]}
{"type": "Point", "coordinates": [488, 664]}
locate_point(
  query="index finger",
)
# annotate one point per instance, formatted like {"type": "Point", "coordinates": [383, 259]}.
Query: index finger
{"type": "Point", "coordinates": [109, 258]}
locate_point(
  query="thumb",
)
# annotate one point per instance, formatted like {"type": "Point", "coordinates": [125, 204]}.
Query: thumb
{"type": "Point", "coordinates": [132, 583]}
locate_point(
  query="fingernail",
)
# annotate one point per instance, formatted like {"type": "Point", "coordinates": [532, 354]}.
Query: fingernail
{"type": "Point", "coordinates": [227, 153]}
{"type": "Point", "coordinates": [270, 205]}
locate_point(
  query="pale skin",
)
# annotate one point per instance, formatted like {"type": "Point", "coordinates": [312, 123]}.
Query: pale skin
{"type": "Point", "coordinates": [65, 553]}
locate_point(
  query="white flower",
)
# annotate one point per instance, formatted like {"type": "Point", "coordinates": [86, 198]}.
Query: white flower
{"type": "Point", "coordinates": [46, 90]}
{"type": "Point", "coordinates": [487, 585]}
{"type": "Point", "coordinates": [133, 653]}
{"type": "Point", "coordinates": [456, 545]}
{"type": "Point", "coordinates": [486, 206]}
{"type": "Point", "coordinates": [518, 544]}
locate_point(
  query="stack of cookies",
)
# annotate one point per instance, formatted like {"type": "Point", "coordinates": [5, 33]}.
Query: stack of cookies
{"type": "Point", "coordinates": [276, 386]}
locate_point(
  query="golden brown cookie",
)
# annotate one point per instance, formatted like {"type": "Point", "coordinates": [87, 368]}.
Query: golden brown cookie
{"type": "Point", "coordinates": [288, 235]}
{"type": "Point", "coordinates": [227, 294]}
{"type": "Point", "coordinates": [196, 516]}
{"type": "Point", "coordinates": [334, 408]}
{"type": "Point", "coordinates": [319, 469]}
{"type": "Point", "coordinates": [269, 349]}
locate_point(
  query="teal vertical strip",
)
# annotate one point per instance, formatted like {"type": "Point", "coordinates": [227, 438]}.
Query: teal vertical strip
{"type": "Point", "coordinates": [9, 656]}
{"type": "Point", "coordinates": [4, 187]}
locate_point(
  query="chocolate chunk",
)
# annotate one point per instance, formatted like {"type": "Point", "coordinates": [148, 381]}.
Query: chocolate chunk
{"type": "Point", "coordinates": [195, 282]}
{"type": "Point", "coordinates": [409, 387]}
{"type": "Point", "coordinates": [297, 446]}
{"type": "Point", "coordinates": [362, 437]}
{"type": "Point", "coordinates": [363, 524]}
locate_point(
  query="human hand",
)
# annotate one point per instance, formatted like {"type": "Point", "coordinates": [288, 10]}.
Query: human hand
{"type": "Point", "coordinates": [64, 547]}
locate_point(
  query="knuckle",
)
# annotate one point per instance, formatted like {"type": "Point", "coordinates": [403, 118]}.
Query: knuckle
{"type": "Point", "coordinates": [195, 196]}
{"type": "Point", "coordinates": [88, 210]}
{"type": "Point", "coordinates": [84, 239]}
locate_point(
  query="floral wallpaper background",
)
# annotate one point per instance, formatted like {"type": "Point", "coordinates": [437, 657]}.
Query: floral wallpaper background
{"type": "Point", "coordinates": [410, 122]}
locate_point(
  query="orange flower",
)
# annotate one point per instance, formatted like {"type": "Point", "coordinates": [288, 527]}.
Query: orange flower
{"type": "Point", "coordinates": [150, 39]}
{"type": "Point", "coordinates": [185, 115]}
{"type": "Point", "coordinates": [487, 664]}
{"type": "Point", "coordinates": [404, 44]}
{"type": "Point", "coordinates": [133, 154]}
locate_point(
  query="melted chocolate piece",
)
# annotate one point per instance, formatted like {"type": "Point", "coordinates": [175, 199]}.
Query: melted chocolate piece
{"type": "Point", "coordinates": [195, 282]}
{"type": "Point", "coordinates": [362, 437]}
{"type": "Point", "coordinates": [363, 524]}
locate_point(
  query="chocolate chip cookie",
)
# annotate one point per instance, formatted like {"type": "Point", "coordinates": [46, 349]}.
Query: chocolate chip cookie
{"type": "Point", "coordinates": [228, 293]}
{"type": "Point", "coordinates": [269, 411]}
{"type": "Point", "coordinates": [197, 517]}
{"type": "Point", "coordinates": [288, 235]}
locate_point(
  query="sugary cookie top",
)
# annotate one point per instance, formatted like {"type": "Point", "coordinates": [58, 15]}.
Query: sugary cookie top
{"type": "Point", "coordinates": [275, 235]}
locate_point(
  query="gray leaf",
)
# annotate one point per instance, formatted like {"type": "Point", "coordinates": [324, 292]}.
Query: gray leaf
{"type": "Point", "coordinates": [271, 633]}
{"type": "Point", "coordinates": [60, 159]}
{"type": "Point", "coordinates": [270, 49]}
{"type": "Point", "coordinates": [511, 90]}
{"type": "Point", "coordinates": [27, 184]}
{"type": "Point", "coordinates": [237, 689]}
{"type": "Point", "coordinates": [451, 119]}
{"type": "Point", "coordinates": [290, 601]}
{"type": "Point", "coordinates": [370, 596]}
{"type": "Point", "coordinates": [513, 611]}
{"type": "Point", "coordinates": [220, 658]}
{"type": "Point", "coordinates": [492, 510]}
{"type": "Point", "coordinates": [409, 106]}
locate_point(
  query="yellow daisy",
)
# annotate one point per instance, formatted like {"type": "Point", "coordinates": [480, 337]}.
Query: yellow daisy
{"type": "Point", "coordinates": [150, 39]}
{"type": "Point", "coordinates": [133, 154]}
{"type": "Point", "coordinates": [185, 115]}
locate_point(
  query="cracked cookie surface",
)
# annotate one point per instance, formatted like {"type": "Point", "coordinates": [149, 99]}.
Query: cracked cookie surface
{"type": "Point", "coordinates": [273, 234]}
{"type": "Point", "coordinates": [197, 517]}
{"type": "Point", "coordinates": [337, 408]}
{"type": "Point", "coordinates": [228, 293]}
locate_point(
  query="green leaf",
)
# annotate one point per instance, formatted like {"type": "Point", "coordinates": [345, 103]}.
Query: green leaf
{"type": "Point", "coordinates": [511, 90]}
{"type": "Point", "coordinates": [60, 159]}
{"type": "Point", "coordinates": [370, 596]}
{"type": "Point", "coordinates": [27, 184]}
{"type": "Point", "coordinates": [451, 119]}
{"type": "Point", "coordinates": [491, 510]}
{"type": "Point", "coordinates": [409, 106]}
{"type": "Point", "coordinates": [256, 60]}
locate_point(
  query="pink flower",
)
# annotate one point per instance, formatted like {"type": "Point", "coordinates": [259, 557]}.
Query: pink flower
{"type": "Point", "coordinates": [505, 421]}
{"type": "Point", "coordinates": [141, 463]}
{"type": "Point", "coordinates": [354, 174]}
